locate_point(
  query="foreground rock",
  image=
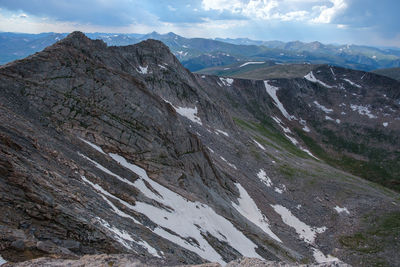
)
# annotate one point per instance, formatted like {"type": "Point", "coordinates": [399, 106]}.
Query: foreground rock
{"type": "Point", "coordinates": [124, 260]}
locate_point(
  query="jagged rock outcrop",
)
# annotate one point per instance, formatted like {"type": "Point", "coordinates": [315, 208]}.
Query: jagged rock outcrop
{"type": "Point", "coordinates": [122, 150]}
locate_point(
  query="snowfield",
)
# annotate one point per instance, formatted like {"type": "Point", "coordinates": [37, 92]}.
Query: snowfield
{"type": "Point", "coordinates": [185, 218]}
{"type": "Point", "coordinates": [271, 90]}
{"type": "Point", "coordinates": [185, 222]}
{"type": "Point", "coordinates": [305, 232]}
{"type": "Point", "coordinates": [248, 208]}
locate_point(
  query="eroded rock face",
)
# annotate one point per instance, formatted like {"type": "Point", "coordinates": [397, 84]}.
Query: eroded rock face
{"type": "Point", "coordinates": [122, 150]}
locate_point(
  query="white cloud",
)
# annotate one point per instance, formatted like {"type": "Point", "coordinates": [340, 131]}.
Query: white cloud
{"type": "Point", "coordinates": [294, 15]}
{"type": "Point", "coordinates": [283, 10]}
{"type": "Point", "coordinates": [260, 9]}
{"type": "Point", "coordinates": [329, 13]}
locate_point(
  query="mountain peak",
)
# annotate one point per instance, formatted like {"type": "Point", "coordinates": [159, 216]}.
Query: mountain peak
{"type": "Point", "coordinates": [79, 39]}
{"type": "Point", "coordinates": [77, 35]}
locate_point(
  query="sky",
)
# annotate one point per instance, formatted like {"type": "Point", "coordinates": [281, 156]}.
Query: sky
{"type": "Point", "coordinates": [365, 22]}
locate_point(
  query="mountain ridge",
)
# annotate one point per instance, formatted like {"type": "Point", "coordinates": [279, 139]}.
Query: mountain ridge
{"type": "Point", "coordinates": [99, 132]}
{"type": "Point", "coordinates": [192, 52]}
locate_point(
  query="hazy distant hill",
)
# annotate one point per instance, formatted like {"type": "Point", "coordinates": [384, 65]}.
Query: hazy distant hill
{"type": "Point", "coordinates": [393, 73]}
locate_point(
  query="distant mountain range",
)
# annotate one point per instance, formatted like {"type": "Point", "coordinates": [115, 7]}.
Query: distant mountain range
{"type": "Point", "coordinates": [200, 53]}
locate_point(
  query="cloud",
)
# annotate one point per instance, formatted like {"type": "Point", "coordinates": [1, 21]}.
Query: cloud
{"type": "Point", "coordinates": [316, 11]}
{"type": "Point", "coordinates": [329, 13]}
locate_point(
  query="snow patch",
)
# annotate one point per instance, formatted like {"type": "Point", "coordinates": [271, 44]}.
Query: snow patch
{"type": "Point", "coordinates": [292, 139]}
{"type": "Point", "coordinates": [338, 121]}
{"type": "Point", "coordinates": [340, 210]}
{"type": "Point", "coordinates": [250, 63]}
{"type": "Point", "coordinates": [162, 67]}
{"type": "Point", "coordinates": [323, 108]}
{"type": "Point", "coordinates": [363, 111]}
{"type": "Point", "coordinates": [248, 208]}
{"type": "Point", "coordinates": [321, 258]}
{"type": "Point", "coordinates": [2, 261]}
{"type": "Point", "coordinates": [149, 248]}
{"type": "Point", "coordinates": [333, 73]}
{"type": "Point", "coordinates": [385, 124]}
{"type": "Point", "coordinates": [143, 70]}
{"type": "Point", "coordinates": [271, 90]}
{"type": "Point", "coordinates": [227, 81]}
{"type": "Point", "coordinates": [310, 77]}
{"type": "Point", "coordinates": [119, 235]}
{"type": "Point", "coordinates": [296, 143]}
{"type": "Point", "coordinates": [103, 193]}
{"type": "Point", "coordinates": [262, 175]}
{"type": "Point", "coordinates": [285, 129]}
{"type": "Point", "coordinates": [352, 83]}
{"type": "Point", "coordinates": [93, 145]}
{"type": "Point", "coordinates": [221, 132]}
{"type": "Point", "coordinates": [228, 163]}
{"type": "Point", "coordinates": [278, 190]}
{"type": "Point", "coordinates": [259, 145]}
{"type": "Point", "coordinates": [329, 118]}
{"type": "Point", "coordinates": [309, 153]}
{"type": "Point", "coordinates": [182, 53]}
{"type": "Point", "coordinates": [190, 113]}
{"type": "Point", "coordinates": [124, 237]}
{"type": "Point", "coordinates": [305, 232]}
{"type": "Point", "coordinates": [304, 124]}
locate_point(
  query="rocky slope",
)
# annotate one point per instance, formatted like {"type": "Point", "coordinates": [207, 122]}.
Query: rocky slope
{"type": "Point", "coordinates": [129, 260]}
{"type": "Point", "coordinates": [122, 150]}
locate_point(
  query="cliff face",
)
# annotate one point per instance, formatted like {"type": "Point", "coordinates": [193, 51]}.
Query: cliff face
{"type": "Point", "coordinates": [122, 150]}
